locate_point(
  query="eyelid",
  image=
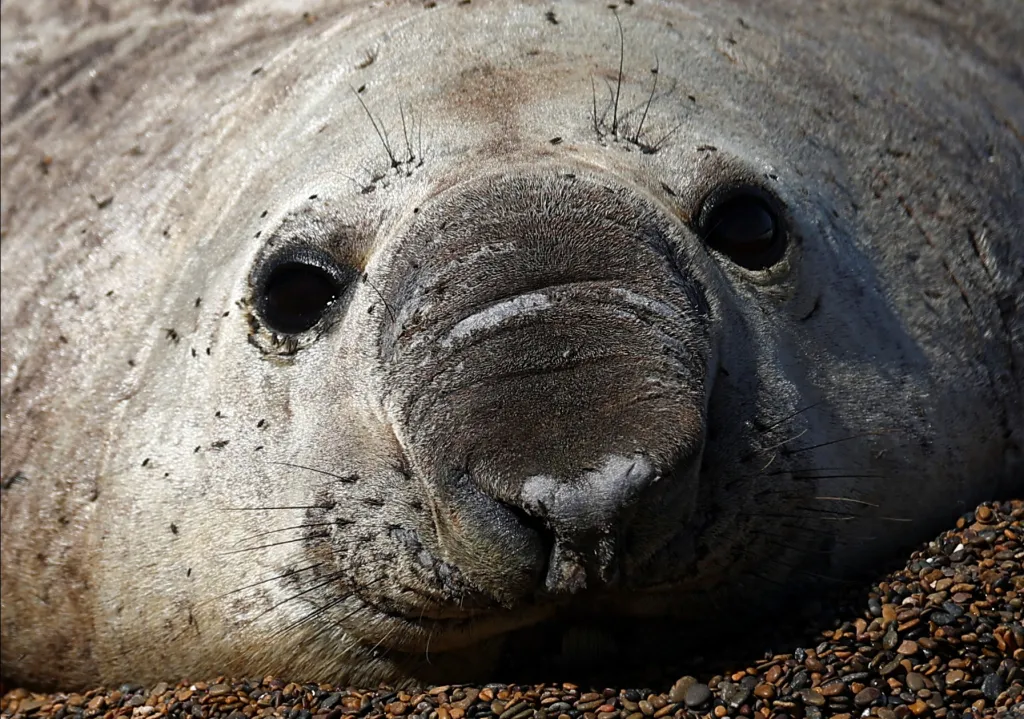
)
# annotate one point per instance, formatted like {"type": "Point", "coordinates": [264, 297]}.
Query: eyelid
{"type": "Point", "coordinates": [726, 192]}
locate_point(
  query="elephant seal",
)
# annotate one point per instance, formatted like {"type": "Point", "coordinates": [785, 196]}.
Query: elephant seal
{"type": "Point", "coordinates": [350, 343]}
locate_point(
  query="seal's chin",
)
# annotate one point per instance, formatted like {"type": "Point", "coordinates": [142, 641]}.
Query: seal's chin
{"type": "Point", "coordinates": [580, 634]}
{"type": "Point", "coordinates": [416, 634]}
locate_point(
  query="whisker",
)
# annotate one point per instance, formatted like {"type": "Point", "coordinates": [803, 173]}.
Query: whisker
{"type": "Point", "coordinates": [769, 462]}
{"type": "Point", "coordinates": [405, 131]}
{"type": "Point", "coordinates": [385, 637]}
{"type": "Point", "coordinates": [847, 499]}
{"type": "Point", "coordinates": [314, 614]}
{"type": "Point", "coordinates": [419, 141]}
{"type": "Point", "coordinates": [276, 544]}
{"type": "Point", "coordinates": [791, 416]}
{"type": "Point", "coordinates": [331, 578]}
{"type": "Point", "coordinates": [289, 573]}
{"type": "Point", "coordinates": [778, 515]}
{"type": "Point", "coordinates": [391, 315]}
{"type": "Point", "coordinates": [379, 130]}
{"type": "Point", "coordinates": [650, 99]}
{"type": "Point", "coordinates": [345, 478]}
{"type": "Point", "coordinates": [618, 82]}
{"type": "Point", "coordinates": [657, 145]}
{"type": "Point", "coordinates": [830, 512]}
{"type": "Point", "coordinates": [328, 506]}
{"type": "Point", "coordinates": [283, 529]}
{"type": "Point", "coordinates": [783, 442]}
{"type": "Point", "coordinates": [837, 441]}
{"type": "Point", "coordinates": [803, 477]}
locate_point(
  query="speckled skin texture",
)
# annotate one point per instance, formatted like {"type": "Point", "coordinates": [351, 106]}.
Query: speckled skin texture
{"type": "Point", "coordinates": [386, 496]}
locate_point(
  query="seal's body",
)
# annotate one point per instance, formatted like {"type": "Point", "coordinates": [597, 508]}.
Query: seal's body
{"type": "Point", "coordinates": [340, 344]}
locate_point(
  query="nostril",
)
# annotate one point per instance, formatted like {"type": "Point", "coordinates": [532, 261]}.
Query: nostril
{"type": "Point", "coordinates": [539, 527]}
{"type": "Point", "coordinates": [569, 558]}
{"type": "Point", "coordinates": [481, 527]}
{"type": "Point", "coordinates": [581, 518]}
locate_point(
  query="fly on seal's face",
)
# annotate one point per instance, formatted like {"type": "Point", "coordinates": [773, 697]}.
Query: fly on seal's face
{"type": "Point", "coordinates": [399, 344]}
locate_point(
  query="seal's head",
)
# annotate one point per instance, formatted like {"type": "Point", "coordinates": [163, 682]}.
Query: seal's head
{"type": "Point", "coordinates": [418, 340]}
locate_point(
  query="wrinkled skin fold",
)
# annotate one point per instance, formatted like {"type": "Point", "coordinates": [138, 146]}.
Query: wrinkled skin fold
{"type": "Point", "coordinates": [528, 377]}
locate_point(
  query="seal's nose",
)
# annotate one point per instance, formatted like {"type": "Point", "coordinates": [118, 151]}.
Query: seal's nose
{"type": "Point", "coordinates": [547, 356]}
{"type": "Point", "coordinates": [584, 516]}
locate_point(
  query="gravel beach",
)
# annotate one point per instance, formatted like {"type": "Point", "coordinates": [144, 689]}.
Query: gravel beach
{"type": "Point", "coordinates": [942, 637]}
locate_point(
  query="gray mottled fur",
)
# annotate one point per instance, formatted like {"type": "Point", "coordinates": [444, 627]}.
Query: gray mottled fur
{"type": "Point", "coordinates": [185, 494]}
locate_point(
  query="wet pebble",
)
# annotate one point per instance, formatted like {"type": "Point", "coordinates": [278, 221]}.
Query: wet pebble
{"type": "Point", "coordinates": [678, 691]}
{"type": "Point", "coordinates": [734, 694]}
{"type": "Point", "coordinates": [697, 695]}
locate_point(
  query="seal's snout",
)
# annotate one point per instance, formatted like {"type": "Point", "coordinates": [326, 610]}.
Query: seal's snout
{"type": "Point", "coordinates": [547, 357]}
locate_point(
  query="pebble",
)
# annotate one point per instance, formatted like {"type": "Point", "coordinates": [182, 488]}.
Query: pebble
{"type": "Point", "coordinates": [678, 691]}
{"type": "Point", "coordinates": [915, 681]}
{"type": "Point", "coordinates": [832, 689]}
{"type": "Point", "coordinates": [942, 637]}
{"type": "Point", "coordinates": [814, 698]}
{"type": "Point", "coordinates": [992, 686]}
{"type": "Point", "coordinates": [734, 694]}
{"type": "Point", "coordinates": [907, 648]}
{"type": "Point", "coordinates": [866, 696]}
{"type": "Point", "coordinates": [697, 695]}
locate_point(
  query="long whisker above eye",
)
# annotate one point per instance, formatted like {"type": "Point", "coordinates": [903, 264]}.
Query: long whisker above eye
{"type": "Point", "coordinates": [650, 100]}
{"type": "Point", "coordinates": [618, 82]}
{"type": "Point", "coordinates": [379, 129]}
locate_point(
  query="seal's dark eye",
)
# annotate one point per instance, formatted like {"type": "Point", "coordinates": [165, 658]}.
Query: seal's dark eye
{"type": "Point", "coordinates": [295, 295]}
{"type": "Point", "coordinates": [745, 228]}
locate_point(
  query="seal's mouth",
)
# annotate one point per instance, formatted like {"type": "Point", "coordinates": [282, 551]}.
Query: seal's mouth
{"type": "Point", "coordinates": [629, 587]}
